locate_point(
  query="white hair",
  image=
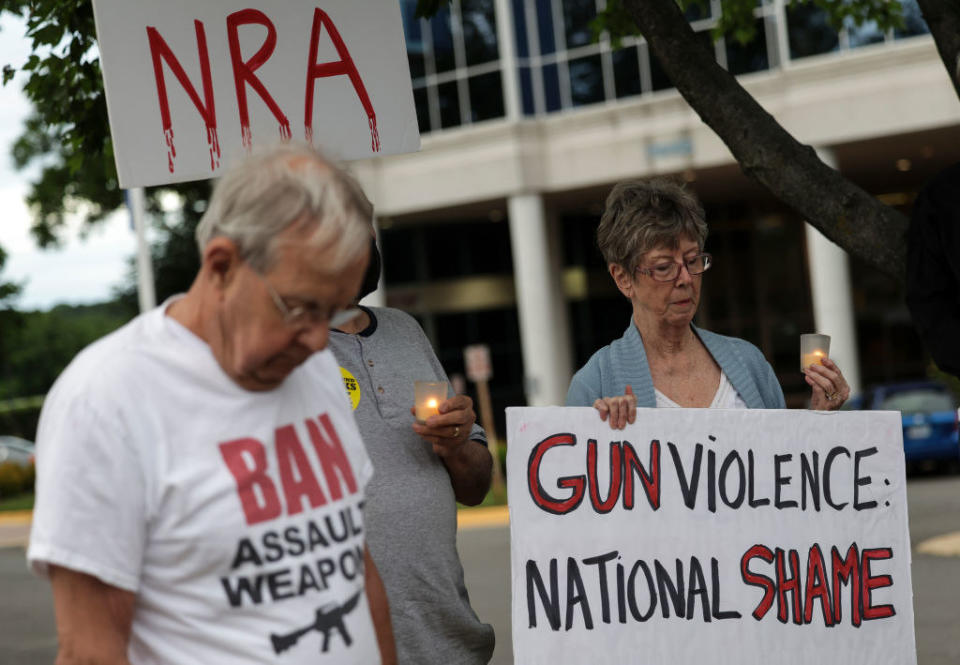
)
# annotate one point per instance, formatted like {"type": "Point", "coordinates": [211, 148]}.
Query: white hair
{"type": "Point", "coordinates": [282, 187]}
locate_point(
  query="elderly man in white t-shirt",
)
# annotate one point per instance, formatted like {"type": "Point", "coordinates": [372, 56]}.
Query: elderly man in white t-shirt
{"type": "Point", "coordinates": [201, 479]}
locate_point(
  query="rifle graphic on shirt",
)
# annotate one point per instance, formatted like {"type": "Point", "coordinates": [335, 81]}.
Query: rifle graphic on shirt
{"type": "Point", "coordinates": [327, 618]}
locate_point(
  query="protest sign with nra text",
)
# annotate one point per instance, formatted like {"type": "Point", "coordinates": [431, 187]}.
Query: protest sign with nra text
{"type": "Point", "coordinates": [709, 536]}
{"type": "Point", "coordinates": [191, 85]}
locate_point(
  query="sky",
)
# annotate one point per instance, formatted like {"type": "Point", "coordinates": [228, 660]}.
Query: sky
{"type": "Point", "coordinates": [82, 270]}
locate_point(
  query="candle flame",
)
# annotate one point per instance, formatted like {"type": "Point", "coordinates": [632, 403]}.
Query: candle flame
{"type": "Point", "coordinates": [819, 354]}
{"type": "Point", "coordinates": [432, 402]}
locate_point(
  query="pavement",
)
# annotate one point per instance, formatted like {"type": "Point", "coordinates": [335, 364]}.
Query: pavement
{"type": "Point", "coordinates": [28, 635]}
{"type": "Point", "coordinates": [15, 528]}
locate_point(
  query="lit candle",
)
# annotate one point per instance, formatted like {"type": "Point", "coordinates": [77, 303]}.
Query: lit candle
{"type": "Point", "coordinates": [813, 358]}
{"type": "Point", "coordinates": [427, 398]}
{"type": "Point", "coordinates": [813, 349]}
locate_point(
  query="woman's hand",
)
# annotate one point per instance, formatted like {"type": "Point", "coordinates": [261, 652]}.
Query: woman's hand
{"type": "Point", "coordinates": [621, 410]}
{"type": "Point", "coordinates": [830, 389]}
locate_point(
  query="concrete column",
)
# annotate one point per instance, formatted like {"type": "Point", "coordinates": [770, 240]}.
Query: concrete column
{"type": "Point", "coordinates": [506, 42]}
{"type": "Point", "coordinates": [544, 329]}
{"type": "Point", "coordinates": [833, 312]}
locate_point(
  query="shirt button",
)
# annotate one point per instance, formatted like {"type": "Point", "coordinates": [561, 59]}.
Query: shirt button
{"type": "Point", "coordinates": [380, 389]}
{"type": "Point", "coordinates": [370, 362]}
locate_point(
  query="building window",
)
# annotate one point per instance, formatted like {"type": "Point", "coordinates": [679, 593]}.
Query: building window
{"type": "Point", "coordinates": [913, 21]}
{"type": "Point", "coordinates": [454, 64]}
{"type": "Point", "coordinates": [809, 32]}
{"type": "Point", "coordinates": [750, 57]}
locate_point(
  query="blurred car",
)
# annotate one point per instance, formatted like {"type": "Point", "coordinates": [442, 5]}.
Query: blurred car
{"type": "Point", "coordinates": [17, 450]}
{"type": "Point", "coordinates": [930, 419]}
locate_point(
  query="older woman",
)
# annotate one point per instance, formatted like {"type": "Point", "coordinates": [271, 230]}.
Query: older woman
{"type": "Point", "coordinates": [651, 235]}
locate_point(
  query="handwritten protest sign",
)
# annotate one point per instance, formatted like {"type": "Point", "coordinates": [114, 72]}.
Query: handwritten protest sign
{"type": "Point", "coordinates": [709, 536]}
{"type": "Point", "coordinates": [190, 85]}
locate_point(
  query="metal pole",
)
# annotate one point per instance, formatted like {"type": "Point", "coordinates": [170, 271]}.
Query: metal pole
{"type": "Point", "coordinates": [145, 288]}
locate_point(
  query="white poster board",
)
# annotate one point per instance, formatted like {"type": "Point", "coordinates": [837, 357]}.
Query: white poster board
{"type": "Point", "coordinates": [191, 85]}
{"type": "Point", "coordinates": [709, 536]}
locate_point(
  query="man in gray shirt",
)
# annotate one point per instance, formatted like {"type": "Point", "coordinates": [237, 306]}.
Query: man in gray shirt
{"type": "Point", "coordinates": [420, 471]}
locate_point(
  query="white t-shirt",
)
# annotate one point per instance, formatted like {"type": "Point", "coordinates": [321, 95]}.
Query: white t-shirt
{"type": "Point", "coordinates": [236, 517]}
{"type": "Point", "coordinates": [726, 397]}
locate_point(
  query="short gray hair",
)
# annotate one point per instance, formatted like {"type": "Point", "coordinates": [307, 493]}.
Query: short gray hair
{"type": "Point", "coordinates": [641, 215]}
{"type": "Point", "coordinates": [274, 188]}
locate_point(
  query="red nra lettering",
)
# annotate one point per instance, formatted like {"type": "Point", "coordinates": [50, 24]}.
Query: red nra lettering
{"type": "Point", "coordinates": [248, 462]}
{"type": "Point", "coordinates": [244, 76]}
{"type": "Point", "coordinates": [243, 71]}
{"type": "Point", "coordinates": [160, 52]}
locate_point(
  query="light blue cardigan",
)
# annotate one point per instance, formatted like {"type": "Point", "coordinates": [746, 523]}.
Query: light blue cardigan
{"type": "Point", "coordinates": [624, 361]}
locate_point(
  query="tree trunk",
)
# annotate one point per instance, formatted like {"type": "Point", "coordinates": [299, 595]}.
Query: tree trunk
{"type": "Point", "coordinates": [943, 17]}
{"type": "Point", "coordinates": [844, 213]}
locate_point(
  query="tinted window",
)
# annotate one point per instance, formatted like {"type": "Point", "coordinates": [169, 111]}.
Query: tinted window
{"type": "Point", "coordinates": [414, 37]}
{"type": "Point", "coordinates": [913, 21]}
{"type": "Point", "coordinates": [577, 15]}
{"type": "Point", "coordinates": [918, 401]}
{"type": "Point", "coordinates": [449, 104]}
{"type": "Point", "coordinates": [520, 27]}
{"type": "Point", "coordinates": [545, 27]}
{"type": "Point", "coordinates": [809, 32]}
{"type": "Point", "coordinates": [479, 31]}
{"type": "Point", "coordinates": [442, 41]}
{"type": "Point", "coordinates": [486, 96]}
{"type": "Point", "coordinates": [750, 57]}
{"type": "Point", "coordinates": [626, 71]}
{"type": "Point", "coordinates": [861, 35]}
{"type": "Point", "coordinates": [586, 80]}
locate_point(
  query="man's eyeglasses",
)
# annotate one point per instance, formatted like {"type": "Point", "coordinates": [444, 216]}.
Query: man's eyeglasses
{"type": "Point", "coordinates": [670, 270]}
{"type": "Point", "coordinates": [302, 316]}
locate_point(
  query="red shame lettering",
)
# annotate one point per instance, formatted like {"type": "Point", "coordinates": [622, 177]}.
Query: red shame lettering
{"type": "Point", "coordinates": [160, 52]}
{"type": "Point", "coordinates": [851, 570]}
{"type": "Point", "coordinates": [243, 71]}
{"type": "Point", "coordinates": [870, 582]}
{"type": "Point", "coordinates": [756, 579]}
{"type": "Point", "coordinates": [247, 461]}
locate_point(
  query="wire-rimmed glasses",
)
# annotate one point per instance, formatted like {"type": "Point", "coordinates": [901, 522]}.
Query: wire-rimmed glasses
{"type": "Point", "coordinates": [302, 316]}
{"type": "Point", "coordinates": [670, 270]}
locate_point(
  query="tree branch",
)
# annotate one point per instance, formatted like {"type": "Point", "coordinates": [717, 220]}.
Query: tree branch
{"type": "Point", "coordinates": [943, 18]}
{"type": "Point", "coordinates": [844, 213]}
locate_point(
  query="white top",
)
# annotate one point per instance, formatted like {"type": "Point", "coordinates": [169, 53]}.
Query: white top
{"type": "Point", "coordinates": [726, 397]}
{"type": "Point", "coordinates": [234, 516]}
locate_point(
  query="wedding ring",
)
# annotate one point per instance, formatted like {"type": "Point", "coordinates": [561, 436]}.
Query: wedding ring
{"type": "Point", "coordinates": [830, 396]}
{"type": "Point", "coordinates": [456, 432]}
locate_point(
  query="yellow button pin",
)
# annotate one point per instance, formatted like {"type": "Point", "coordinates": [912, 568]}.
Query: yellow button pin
{"type": "Point", "coordinates": [353, 388]}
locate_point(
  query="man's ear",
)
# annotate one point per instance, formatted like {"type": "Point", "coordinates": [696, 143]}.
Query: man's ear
{"type": "Point", "coordinates": [621, 278]}
{"type": "Point", "coordinates": [220, 261]}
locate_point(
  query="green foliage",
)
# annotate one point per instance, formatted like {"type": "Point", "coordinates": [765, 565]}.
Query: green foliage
{"type": "Point", "coordinates": [15, 479]}
{"type": "Point", "coordinates": [35, 351]}
{"type": "Point", "coordinates": [68, 135]}
{"type": "Point", "coordinates": [21, 502]}
{"type": "Point", "coordinates": [8, 290]}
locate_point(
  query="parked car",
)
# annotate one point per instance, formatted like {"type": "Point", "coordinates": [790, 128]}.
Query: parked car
{"type": "Point", "coordinates": [931, 435]}
{"type": "Point", "coordinates": [17, 450]}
